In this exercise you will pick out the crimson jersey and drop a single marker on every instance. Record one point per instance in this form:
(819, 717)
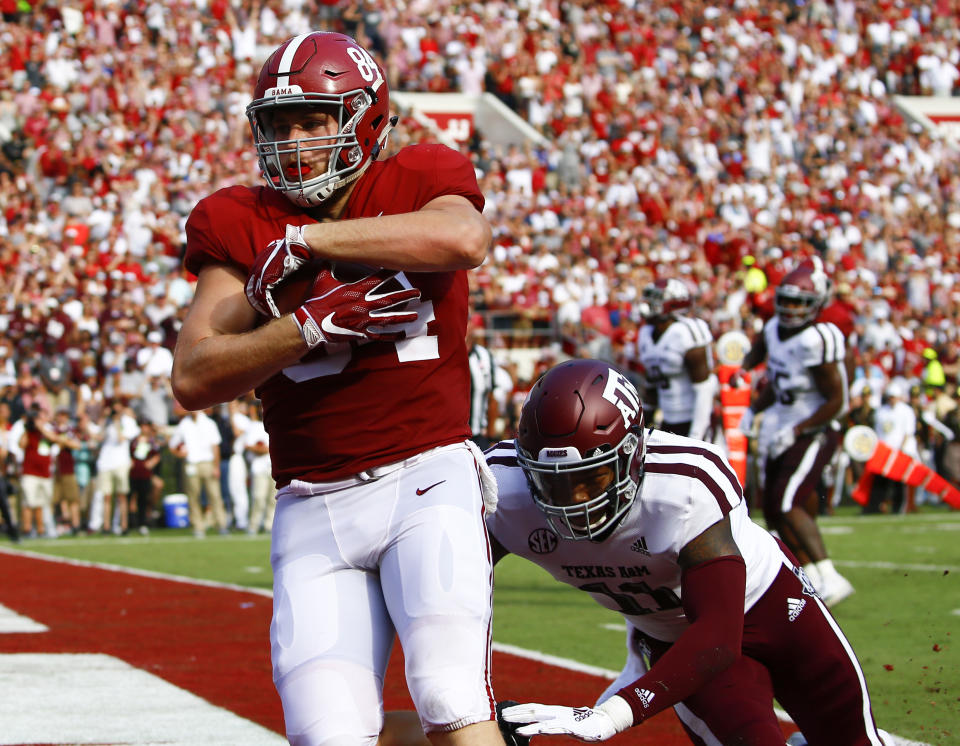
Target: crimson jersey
(352, 406)
(37, 456)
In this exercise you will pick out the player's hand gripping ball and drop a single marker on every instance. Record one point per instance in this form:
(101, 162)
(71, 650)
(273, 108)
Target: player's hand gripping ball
(276, 263)
(373, 307)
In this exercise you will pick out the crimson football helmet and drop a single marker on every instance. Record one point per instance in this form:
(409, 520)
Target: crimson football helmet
(334, 72)
(801, 294)
(665, 297)
(580, 443)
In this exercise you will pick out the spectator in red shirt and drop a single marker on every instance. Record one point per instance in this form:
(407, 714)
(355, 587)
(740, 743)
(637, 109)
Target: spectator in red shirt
(36, 479)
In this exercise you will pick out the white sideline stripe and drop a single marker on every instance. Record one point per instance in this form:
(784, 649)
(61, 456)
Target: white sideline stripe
(894, 519)
(11, 622)
(916, 567)
(500, 647)
(553, 660)
(836, 530)
(142, 573)
(95, 698)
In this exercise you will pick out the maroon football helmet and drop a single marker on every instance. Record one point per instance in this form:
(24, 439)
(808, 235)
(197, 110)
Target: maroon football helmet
(665, 297)
(332, 71)
(801, 294)
(580, 443)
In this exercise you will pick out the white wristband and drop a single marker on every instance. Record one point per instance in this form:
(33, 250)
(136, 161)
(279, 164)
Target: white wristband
(618, 710)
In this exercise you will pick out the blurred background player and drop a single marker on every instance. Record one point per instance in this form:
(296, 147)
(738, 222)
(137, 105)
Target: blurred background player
(378, 530)
(653, 525)
(675, 353)
(895, 422)
(804, 394)
(484, 407)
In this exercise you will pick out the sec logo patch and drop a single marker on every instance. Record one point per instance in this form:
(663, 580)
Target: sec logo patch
(542, 541)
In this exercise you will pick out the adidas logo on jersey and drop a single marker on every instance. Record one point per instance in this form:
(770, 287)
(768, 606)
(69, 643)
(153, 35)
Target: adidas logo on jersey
(645, 696)
(640, 545)
(794, 607)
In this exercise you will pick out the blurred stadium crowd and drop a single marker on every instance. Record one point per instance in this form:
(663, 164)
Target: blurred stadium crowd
(717, 143)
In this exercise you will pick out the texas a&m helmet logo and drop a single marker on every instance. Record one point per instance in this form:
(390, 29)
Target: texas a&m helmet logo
(622, 394)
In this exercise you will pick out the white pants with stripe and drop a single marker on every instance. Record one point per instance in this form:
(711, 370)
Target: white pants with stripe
(357, 561)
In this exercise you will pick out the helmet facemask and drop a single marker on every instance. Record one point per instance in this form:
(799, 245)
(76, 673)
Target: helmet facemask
(653, 298)
(664, 300)
(556, 474)
(795, 307)
(801, 294)
(346, 157)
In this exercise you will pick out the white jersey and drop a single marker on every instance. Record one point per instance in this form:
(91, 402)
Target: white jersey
(788, 368)
(687, 486)
(483, 381)
(662, 361)
(896, 425)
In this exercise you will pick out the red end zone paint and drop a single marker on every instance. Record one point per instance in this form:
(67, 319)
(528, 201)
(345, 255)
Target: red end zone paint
(211, 641)
(214, 641)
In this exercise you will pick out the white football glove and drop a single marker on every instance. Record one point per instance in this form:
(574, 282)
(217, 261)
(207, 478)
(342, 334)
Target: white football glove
(590, 724)
(782, 440)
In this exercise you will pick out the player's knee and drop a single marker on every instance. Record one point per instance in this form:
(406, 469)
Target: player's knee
(447, 703)
(311, 738)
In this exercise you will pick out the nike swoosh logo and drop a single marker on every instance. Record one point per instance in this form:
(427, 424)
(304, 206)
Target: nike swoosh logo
(329, 327)
(425, 490)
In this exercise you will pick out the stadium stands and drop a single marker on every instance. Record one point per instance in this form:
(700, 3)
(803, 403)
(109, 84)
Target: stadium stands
(696, 140)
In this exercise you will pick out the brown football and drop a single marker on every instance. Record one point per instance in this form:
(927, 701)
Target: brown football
(294, 290)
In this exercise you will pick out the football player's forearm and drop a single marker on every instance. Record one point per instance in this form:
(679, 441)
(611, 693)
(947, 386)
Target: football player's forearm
(429, 240)
(712, 598)
(822, 417)
(764, 399)
(220, 367)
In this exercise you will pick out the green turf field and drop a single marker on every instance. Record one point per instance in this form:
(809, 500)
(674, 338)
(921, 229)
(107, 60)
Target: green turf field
(903, 622)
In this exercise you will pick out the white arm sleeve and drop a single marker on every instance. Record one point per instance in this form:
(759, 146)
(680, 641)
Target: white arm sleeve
(933, 422)
(702, 407)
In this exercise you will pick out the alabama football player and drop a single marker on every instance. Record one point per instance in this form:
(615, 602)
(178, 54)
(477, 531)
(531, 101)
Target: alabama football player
(676, 357)
(653, 525)
(806, 392)
(378, 530)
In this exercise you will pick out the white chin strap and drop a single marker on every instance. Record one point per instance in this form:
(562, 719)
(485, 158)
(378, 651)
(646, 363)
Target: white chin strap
(323, 193)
